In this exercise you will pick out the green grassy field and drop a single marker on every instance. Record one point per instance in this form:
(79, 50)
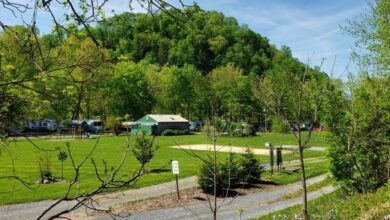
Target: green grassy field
(25, 158)
(311, 169)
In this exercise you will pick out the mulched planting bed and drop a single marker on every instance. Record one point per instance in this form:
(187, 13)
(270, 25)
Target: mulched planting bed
(188, 196)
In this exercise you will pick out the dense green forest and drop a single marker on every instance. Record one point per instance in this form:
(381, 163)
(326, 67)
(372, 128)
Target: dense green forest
(175, 63)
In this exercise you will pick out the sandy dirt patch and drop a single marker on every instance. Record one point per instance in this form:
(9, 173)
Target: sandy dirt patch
(221, 148)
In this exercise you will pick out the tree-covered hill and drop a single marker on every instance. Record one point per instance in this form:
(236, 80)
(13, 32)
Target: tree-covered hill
(205, 39)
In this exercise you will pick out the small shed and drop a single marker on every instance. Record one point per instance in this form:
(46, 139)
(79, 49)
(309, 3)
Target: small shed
(156, 124)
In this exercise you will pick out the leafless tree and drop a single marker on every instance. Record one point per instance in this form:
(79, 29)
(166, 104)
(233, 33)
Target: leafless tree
(109, 179)
(297, 100)
(83, 14)
(212, 132)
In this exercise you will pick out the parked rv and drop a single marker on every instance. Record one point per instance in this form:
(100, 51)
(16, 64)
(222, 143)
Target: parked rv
(40, 125)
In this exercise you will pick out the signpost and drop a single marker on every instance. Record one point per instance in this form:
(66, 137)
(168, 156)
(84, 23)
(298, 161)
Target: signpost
(271, 156)
(279, 159)
(175, 170)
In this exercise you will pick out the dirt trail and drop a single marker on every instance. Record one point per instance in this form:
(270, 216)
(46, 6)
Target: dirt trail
(226, 148)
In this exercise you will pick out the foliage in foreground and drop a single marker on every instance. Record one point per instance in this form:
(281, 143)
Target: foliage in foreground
(359, 152)
(358, 117)
(337, 205)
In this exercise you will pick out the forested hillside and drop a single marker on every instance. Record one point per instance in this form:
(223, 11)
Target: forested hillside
(206, 40)
(189, 62)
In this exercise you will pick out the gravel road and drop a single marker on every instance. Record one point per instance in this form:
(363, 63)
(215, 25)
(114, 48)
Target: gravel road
(34, 209)
(255, 204)
(310, 148)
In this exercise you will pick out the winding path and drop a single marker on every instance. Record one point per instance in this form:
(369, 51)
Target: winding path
(253, 205)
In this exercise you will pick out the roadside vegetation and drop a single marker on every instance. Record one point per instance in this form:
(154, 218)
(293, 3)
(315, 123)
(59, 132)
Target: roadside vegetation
(338, 205)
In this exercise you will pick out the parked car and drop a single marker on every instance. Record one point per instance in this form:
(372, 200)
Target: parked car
(94, 126)
(294, 126)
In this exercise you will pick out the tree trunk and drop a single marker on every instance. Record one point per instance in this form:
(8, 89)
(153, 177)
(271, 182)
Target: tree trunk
(76, 111)
(62, 170)
(303, 174)
(388, 165)
(303, 182)
(215, 173)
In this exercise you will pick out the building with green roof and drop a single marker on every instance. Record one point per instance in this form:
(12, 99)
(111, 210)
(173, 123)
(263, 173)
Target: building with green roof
(155, 124)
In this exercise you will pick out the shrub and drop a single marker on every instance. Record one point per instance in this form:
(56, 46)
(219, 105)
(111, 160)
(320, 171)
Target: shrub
(230, 172)
(174, 132)
(112, 124)
(45, 169)
(206, 181)
(221, 125)
(227, 175)
(278, 125)
(250, 167)
(144, 148)
(364, 171)
(234, 128)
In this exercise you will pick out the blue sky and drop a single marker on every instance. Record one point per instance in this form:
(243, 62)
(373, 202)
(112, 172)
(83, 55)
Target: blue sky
(311, 28)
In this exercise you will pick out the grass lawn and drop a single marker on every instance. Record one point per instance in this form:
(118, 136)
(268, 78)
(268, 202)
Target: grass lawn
(25, 158)
(311, 169)
(311, 188)
(336, 205)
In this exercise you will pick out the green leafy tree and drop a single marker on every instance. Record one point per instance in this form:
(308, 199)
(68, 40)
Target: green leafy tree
(359, 152)
(20, 67)
(372, 34)
(223, 82)
(128, 91)
(81, 67)
(179, 91)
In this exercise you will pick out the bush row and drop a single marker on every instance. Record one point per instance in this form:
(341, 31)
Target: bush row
(230, 173)
(174, 132)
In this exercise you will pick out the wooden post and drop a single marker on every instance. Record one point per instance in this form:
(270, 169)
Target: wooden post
(271, 156)
(175, 170)
(177, 187)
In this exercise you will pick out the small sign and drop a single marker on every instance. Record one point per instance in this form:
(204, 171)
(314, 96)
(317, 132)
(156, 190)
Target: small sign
(175, 167)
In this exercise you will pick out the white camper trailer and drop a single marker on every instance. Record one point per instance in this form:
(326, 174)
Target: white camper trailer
(40, 125)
